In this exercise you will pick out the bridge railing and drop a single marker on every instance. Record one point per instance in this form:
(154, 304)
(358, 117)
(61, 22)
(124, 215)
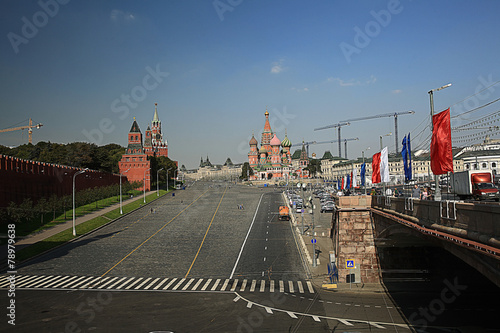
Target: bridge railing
(476, 221)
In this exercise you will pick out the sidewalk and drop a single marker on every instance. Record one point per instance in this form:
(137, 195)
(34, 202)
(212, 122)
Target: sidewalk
(46, 233)
(319, 274)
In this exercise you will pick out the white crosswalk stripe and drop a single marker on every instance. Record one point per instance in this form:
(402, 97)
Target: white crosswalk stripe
(159, 284)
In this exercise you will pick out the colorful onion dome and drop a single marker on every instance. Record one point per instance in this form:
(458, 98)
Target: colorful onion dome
(275, 141)
(286, 142)
(253, 141)
(262, 150)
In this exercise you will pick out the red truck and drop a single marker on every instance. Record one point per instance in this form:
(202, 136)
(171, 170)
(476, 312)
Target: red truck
(475, 184)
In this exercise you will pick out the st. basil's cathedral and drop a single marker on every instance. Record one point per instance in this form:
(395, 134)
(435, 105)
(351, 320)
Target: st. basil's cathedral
(273, 159)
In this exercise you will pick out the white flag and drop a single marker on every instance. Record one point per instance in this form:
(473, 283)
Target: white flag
(354, 175)
(384, 166)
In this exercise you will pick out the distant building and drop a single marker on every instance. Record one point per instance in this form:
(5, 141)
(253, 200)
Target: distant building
(273, 159)
(154, 144)
(134, 163)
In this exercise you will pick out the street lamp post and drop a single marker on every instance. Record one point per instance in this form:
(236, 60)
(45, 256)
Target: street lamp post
(158, 183)
(167, 176)
(437, 195)
(121, 209)
(144, 184)
(388, 134)
(74, 176)
(363, 154)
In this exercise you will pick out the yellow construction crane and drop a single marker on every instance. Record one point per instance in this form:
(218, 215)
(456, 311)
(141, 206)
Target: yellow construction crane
(29, 127)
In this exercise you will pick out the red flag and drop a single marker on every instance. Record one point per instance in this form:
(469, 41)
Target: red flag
(350, 185)
(342, 183)
(441, 154)
(376, 168)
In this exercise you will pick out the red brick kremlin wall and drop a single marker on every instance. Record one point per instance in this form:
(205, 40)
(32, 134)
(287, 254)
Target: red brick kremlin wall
(20, 179)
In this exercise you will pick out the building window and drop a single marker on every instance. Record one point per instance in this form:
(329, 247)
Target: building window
(476, 167)
(484, 165)
(493, 164)
(467, 166)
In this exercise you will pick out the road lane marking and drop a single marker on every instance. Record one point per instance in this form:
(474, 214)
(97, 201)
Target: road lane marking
(187, 284)
(235, 283)
(282, 287)
(133, 283)
(262, 285)
(178, 284)
(272, 286)
(140, 245)
(310, 287)
(268, 310)
(152, 282)
(159, 284)
(243, 285)
(291, 314)
(224, 285)
(246, 237)
(108, 282)
(169, 284)
(205, 286)
(65, 282)
(143, 283)
(124, 283)
(206, 233)
(301, 288)
(215, 284)
(114, 284)
(43, 281)
(252, 287)
(290, 286)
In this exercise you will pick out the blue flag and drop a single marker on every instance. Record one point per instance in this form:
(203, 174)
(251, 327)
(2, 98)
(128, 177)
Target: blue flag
(338, 184)
(404, 154)
(408, 148)
(363, 173)
(348, 182)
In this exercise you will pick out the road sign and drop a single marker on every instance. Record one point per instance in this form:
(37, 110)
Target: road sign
(313, 240)
(350, 264)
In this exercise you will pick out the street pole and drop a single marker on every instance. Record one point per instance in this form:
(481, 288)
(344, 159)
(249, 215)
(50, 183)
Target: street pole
(121, 204)
(144, 184)
(437, 196)
(74, 176)
(167, 177)
(158, 183)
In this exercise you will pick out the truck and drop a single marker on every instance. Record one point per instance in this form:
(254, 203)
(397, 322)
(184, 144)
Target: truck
(284, 213)
(475, 184)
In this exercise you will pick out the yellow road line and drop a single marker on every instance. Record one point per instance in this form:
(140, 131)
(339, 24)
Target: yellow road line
(206, 233)
(109, 270)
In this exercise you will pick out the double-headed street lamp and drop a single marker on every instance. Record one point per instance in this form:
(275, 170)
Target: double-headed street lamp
(388, 134)
(437, 195)
(74, 176)
(121, 209)
(158, 183)
(144, 184)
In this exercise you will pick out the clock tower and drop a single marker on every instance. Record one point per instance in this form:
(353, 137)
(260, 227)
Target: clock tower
(156, 145)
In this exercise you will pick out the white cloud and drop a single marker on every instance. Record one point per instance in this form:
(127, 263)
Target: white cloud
(120, 16)
(278, 67)
(397, 91)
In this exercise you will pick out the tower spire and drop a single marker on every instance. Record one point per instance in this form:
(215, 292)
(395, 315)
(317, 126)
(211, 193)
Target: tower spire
(155, 117)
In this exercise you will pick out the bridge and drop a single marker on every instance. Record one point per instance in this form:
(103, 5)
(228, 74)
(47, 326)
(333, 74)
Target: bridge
(364, 225)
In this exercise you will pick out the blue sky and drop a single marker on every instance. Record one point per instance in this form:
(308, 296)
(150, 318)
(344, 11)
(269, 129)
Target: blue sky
(217, 65)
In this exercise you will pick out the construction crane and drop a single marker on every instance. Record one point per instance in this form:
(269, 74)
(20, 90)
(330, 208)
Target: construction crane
(29, 127)
(392, 114)
(338, 126)
(323, 142)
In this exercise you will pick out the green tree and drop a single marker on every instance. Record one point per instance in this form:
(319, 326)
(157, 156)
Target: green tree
(246, 169)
